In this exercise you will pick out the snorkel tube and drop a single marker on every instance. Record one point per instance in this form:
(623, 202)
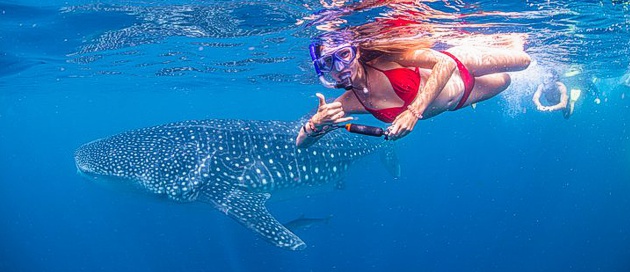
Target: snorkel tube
(346, 81)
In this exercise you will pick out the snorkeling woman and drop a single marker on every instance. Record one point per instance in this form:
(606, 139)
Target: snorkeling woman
(401, 82)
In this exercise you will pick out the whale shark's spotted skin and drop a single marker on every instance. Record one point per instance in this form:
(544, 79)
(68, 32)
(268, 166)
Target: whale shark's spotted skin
(233, 164)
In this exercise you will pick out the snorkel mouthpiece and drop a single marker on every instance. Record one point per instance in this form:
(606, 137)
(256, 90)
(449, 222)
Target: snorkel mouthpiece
(345, 82)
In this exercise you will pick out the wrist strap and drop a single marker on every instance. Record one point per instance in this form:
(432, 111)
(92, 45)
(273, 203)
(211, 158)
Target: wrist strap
(314, 132)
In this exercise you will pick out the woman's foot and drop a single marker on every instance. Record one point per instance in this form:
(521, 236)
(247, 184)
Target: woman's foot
(515, 41)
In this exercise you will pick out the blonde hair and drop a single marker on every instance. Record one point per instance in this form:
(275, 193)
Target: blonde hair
(383, 36)
(394, 36)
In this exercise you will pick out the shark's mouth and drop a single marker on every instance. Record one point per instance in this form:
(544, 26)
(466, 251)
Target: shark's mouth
(81, 162)
(93, 160)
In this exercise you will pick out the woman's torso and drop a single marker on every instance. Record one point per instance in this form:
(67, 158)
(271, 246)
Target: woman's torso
(380, 93)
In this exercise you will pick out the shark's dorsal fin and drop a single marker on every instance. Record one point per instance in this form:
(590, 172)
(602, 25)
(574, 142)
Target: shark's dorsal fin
(249, 209)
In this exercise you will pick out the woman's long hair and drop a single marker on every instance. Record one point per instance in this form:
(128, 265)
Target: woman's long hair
(391, 36)
(383, 36)
(411, 25)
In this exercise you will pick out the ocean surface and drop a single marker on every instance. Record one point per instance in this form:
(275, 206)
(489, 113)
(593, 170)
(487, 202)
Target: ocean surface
(501, 187)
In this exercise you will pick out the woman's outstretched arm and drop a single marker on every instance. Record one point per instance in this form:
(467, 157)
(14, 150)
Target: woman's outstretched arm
(442, 68)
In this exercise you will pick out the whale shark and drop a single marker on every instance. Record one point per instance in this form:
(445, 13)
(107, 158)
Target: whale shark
(233, 165)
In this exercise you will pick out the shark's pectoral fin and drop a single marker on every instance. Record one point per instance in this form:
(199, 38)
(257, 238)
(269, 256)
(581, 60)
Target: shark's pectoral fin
(249, 209)
(389, 158)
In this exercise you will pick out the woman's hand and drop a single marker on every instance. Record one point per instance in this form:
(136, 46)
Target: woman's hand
(402, 125)
(328, 114)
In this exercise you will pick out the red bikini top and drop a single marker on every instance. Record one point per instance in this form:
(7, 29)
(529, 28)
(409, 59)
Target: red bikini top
(405, 83)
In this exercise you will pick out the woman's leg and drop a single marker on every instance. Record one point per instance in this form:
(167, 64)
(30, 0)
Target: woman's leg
(487, 87)
(482, 61)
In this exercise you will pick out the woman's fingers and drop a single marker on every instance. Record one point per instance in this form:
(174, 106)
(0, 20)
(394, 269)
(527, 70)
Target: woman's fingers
(400, 128)
(322, 99)
(332, 106)
(393, 131)
(324, 105)
(333, 112)
(337, 115)
(335, 104)
(344, 119)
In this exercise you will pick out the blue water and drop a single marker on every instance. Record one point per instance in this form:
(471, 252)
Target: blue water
(498, 188)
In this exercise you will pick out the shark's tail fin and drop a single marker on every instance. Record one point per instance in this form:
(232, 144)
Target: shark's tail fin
(389, 158)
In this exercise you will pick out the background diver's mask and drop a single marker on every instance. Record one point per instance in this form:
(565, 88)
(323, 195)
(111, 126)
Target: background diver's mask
(338, 61)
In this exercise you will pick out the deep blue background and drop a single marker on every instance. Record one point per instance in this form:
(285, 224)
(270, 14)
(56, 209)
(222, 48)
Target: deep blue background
(482, 189)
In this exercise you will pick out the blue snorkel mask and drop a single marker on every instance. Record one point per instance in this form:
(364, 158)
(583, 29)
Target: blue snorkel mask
(338, 61)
